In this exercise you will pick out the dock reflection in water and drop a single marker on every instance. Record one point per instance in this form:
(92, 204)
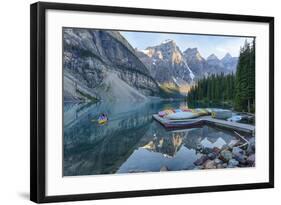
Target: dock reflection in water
(131, 141)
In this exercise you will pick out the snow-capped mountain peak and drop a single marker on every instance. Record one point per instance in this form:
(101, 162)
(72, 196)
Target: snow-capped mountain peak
(229, 62)
(212, 57)
(167, 41)
(167, 63)
(193, 53)
(166, 60)
(145, 51)
(226, 57)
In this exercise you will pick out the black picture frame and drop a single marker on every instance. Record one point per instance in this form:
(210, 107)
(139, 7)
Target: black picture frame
(38, 100)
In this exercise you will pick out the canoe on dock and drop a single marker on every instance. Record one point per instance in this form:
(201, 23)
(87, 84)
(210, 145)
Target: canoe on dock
(182, 116)
(172, 124)
(204, 120)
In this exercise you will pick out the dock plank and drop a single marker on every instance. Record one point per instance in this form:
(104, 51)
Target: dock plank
(232, 125)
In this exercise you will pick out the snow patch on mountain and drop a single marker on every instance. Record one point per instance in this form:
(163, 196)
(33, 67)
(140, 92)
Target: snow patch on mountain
(175, 81)
(191, 74)
(145, 51)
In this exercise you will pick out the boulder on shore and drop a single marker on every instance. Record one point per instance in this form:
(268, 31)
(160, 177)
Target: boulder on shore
(251, 159)
(226, 155)
(233, 163)
(207, 150)
(236, 151)
(201, 160)
(216, 150)
(209, 164)
(212, 156)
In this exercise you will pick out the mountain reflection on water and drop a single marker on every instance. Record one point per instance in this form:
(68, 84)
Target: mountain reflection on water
(131, 141)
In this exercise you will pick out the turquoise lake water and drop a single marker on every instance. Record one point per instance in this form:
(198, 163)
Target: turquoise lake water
(131, 141)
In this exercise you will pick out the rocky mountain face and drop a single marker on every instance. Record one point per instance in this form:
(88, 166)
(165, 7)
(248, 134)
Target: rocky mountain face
(226, 65)
(214, 65)
(196, 62)
(229, 62)
(166, 63)
(102, 65)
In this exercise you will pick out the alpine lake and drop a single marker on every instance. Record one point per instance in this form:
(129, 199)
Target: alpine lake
(132, 141)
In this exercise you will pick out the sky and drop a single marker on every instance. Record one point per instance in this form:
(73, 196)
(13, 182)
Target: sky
(206, 44)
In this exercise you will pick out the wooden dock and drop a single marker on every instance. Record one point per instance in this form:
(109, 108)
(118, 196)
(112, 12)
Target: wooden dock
(205, 120)
(229, 125)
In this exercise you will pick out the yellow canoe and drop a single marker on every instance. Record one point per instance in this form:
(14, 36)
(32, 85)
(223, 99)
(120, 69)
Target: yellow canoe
(102, 121)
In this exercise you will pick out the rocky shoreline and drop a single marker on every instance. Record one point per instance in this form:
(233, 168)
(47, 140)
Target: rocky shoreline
(235, 154)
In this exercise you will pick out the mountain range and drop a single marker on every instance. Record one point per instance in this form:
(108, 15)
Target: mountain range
(183, 67)
(101, 65)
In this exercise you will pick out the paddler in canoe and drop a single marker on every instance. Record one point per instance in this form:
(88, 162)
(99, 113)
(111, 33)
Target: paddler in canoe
(102, 119)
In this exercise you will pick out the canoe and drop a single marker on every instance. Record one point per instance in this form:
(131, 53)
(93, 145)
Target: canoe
(185, 109)
(174, 124)
(103, 121)
(221, 114)
(209, 110)
(177, 110)
(165, 112)
(168, 111)
(201, 111)
(181, 115)
(235, 118)
(161, 113)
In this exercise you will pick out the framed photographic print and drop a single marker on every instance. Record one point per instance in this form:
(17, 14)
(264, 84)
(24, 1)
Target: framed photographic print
(129, 102)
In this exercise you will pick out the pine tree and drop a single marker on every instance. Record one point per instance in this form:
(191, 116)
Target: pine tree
(245, 79)
(237, 89)
(251, 88)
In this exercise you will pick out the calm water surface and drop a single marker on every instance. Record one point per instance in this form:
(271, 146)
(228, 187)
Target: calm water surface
(131, 141)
